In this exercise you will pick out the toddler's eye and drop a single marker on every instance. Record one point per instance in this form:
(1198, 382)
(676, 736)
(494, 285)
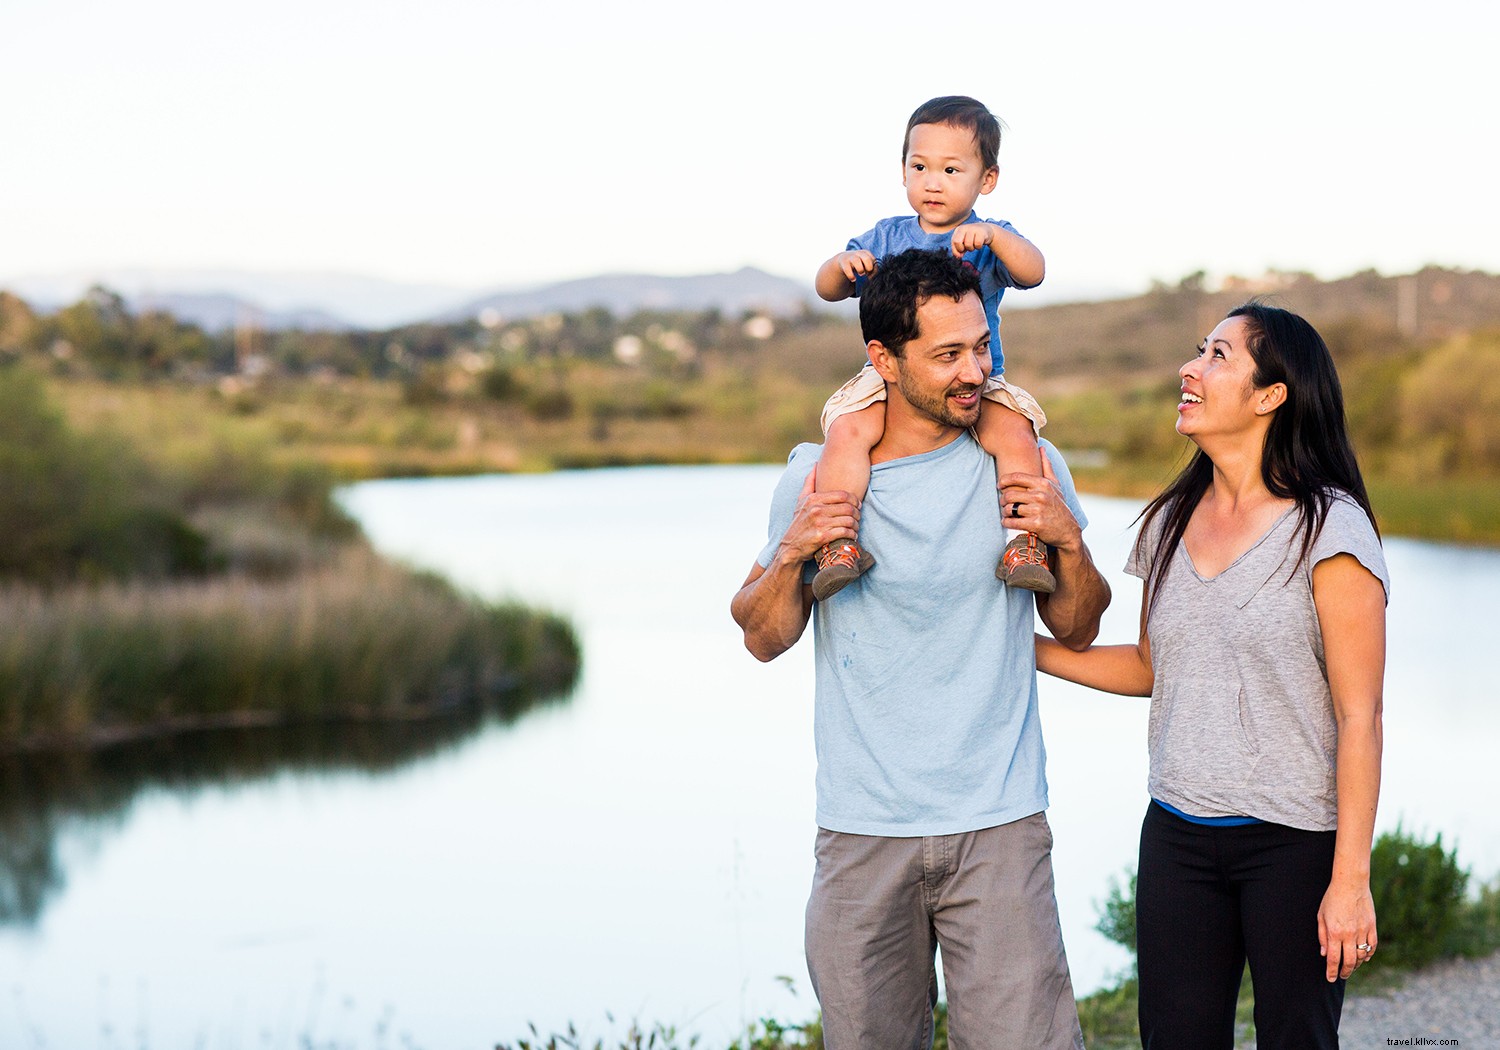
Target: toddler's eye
(951, 171)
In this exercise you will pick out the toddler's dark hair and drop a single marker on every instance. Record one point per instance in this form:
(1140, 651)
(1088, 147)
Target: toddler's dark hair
(959, 111)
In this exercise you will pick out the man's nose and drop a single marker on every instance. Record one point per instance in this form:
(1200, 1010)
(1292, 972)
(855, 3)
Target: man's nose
(974, 372)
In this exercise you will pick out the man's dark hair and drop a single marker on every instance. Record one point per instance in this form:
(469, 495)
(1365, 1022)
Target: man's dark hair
(959, 111)
(901, 284)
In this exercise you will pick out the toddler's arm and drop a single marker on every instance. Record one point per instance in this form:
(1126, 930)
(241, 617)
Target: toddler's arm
(835, 280)
(1022, 258)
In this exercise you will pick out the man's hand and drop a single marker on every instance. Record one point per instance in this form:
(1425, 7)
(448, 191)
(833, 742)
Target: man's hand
(1034, 502)
(820, 517)
(773, 604)
(972, 236)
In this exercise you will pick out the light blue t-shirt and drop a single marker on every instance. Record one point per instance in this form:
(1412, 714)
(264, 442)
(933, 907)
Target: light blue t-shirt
(925, 715)
(892, 236)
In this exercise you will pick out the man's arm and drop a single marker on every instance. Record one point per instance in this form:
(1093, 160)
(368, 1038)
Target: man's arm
(772, 606)
(1072, 611)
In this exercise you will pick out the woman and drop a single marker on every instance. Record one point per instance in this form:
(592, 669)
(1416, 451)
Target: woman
(1262, 648)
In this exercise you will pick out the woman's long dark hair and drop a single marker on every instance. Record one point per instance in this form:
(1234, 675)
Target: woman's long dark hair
(1306, 456)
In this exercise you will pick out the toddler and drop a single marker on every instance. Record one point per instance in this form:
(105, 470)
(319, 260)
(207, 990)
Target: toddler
(947, 161)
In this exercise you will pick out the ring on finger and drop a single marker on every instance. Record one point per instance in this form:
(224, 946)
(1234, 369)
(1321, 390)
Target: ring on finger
(1015, 510)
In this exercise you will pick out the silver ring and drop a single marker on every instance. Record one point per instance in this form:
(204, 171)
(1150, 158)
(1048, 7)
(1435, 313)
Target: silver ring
(1364, 947)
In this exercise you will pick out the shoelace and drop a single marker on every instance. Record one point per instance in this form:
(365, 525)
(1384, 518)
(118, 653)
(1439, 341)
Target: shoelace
(1030, 554)
(846, 554)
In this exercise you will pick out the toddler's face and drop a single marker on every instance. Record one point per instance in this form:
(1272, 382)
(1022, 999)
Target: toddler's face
(944, 176)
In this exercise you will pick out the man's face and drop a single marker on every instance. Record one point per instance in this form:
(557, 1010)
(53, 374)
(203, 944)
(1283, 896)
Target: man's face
(942, 372)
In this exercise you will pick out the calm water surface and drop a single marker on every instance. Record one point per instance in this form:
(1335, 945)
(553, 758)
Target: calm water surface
(641, 848)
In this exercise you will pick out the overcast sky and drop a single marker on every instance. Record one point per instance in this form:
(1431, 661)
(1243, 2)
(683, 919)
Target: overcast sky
(488, 144)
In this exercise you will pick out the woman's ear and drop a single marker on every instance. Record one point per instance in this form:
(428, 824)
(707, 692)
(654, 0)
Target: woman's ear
(1270, 398)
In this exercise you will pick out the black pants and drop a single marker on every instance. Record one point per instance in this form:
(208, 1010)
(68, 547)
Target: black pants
(1209, 898)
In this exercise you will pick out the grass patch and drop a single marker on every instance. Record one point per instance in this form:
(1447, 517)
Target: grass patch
(357, 638)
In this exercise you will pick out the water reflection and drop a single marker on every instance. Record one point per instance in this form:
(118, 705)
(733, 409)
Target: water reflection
(81, 796)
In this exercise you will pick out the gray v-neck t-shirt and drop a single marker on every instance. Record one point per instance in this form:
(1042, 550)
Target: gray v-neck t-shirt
(1242, 718)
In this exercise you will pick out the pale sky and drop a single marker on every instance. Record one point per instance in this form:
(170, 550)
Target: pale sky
(500, 144)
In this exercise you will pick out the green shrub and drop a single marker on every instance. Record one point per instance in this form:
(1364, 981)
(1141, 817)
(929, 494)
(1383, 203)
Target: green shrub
(1478, 931)
(502, 384)
(1117, 913)
(78, 506)
(1419, 893)
(550, 405)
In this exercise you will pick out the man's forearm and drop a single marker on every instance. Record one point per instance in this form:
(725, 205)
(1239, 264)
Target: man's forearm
(1072, 611)
(772, 607)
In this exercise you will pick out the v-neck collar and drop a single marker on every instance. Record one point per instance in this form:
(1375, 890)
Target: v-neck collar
(1188, 557)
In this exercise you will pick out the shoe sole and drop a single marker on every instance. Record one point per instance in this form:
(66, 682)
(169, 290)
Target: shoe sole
(830, 581)
(1032, 578)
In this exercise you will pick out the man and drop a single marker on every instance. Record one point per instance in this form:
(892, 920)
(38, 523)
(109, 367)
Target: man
(931, 787)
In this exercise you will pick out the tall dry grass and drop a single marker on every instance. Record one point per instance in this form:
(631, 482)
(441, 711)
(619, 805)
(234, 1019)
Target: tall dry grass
(355, 638)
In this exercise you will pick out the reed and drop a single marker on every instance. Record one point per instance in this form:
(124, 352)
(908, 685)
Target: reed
(356, 638)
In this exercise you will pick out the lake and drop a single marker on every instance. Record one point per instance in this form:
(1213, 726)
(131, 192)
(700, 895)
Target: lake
(639, 849)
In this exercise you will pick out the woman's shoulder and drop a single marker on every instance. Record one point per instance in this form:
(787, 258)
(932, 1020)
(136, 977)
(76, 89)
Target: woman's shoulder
(1345, 515)
(1347, 529)
(1147, 546)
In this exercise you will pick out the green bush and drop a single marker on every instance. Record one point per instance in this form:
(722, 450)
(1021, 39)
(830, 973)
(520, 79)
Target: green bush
(502, 384)
(1117, 913)
(78, 506)
(1419, 895)
(550, 405)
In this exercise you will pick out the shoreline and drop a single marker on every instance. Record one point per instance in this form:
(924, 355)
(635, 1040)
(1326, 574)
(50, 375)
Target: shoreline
(1411, 519)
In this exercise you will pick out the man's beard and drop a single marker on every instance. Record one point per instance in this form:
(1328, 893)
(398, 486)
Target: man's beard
(937, 406)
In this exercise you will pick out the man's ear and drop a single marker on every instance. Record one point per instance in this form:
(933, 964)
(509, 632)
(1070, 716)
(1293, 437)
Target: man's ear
(883, 360)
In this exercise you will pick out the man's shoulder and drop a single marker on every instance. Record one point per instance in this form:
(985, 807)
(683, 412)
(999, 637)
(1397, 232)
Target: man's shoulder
(799, 463)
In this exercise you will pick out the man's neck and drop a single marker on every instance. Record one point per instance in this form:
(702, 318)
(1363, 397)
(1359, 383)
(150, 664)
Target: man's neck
(909, 432)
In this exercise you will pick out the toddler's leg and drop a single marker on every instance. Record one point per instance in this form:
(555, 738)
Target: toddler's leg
(845, 465)
(1009, 437)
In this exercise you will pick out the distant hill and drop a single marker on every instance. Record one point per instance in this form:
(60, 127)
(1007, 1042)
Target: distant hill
(619, 293)
(1076, 345)
(217, 300)
(218, 312)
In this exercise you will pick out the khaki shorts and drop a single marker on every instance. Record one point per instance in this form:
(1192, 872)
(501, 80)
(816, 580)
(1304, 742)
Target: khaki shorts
(881, 907)
(867, 387)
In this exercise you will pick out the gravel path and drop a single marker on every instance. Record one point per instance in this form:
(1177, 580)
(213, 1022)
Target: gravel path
(1457, 1001)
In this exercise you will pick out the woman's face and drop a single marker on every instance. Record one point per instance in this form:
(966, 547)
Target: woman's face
(1218, 396)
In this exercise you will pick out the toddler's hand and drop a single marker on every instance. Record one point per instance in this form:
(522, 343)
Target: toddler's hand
(971, 237)
(856, 264)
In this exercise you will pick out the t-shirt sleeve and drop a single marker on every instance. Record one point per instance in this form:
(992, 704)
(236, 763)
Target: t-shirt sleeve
(1143, 550)
(1065, 482)
(784, 499)
(1001, 271)
(1347, 530)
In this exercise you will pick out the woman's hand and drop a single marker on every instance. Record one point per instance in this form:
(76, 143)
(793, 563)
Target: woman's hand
(1346, 926)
